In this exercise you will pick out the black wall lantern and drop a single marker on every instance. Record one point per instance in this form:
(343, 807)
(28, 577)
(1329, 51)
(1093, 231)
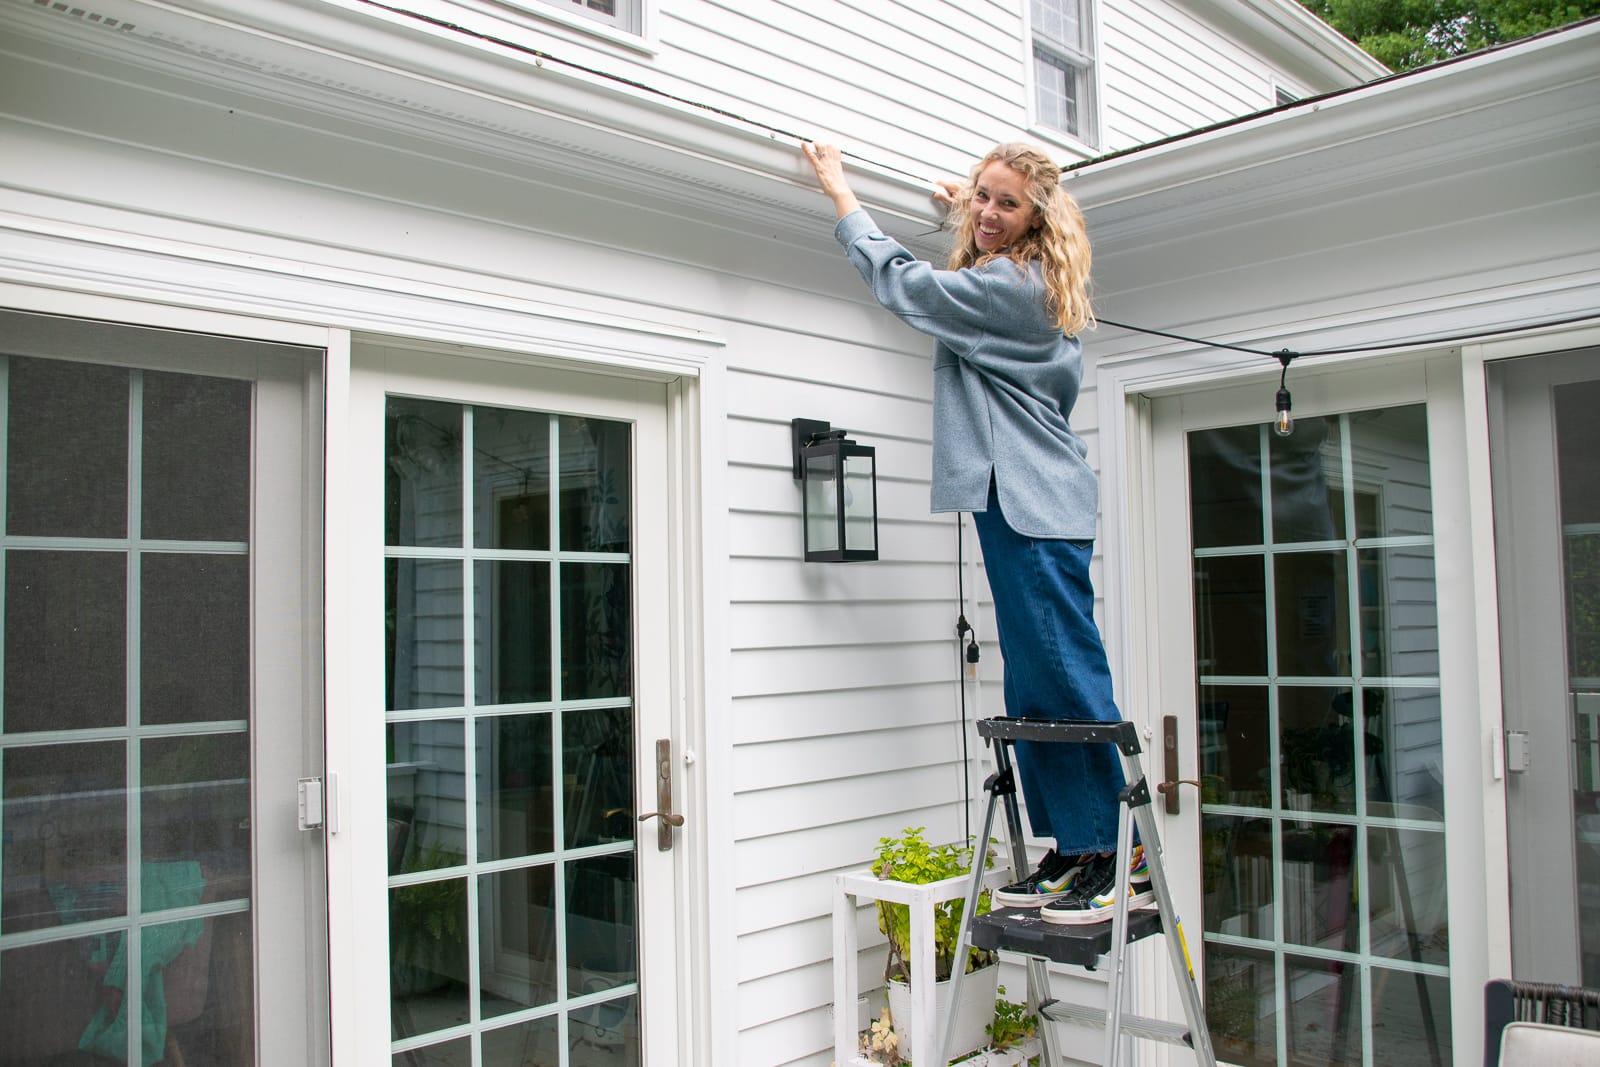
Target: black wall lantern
(839, 484)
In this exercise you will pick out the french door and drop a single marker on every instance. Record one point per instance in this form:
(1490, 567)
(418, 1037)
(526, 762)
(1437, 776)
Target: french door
(517, 688)
(159, 698)
(1302, 657)
(1547, 543)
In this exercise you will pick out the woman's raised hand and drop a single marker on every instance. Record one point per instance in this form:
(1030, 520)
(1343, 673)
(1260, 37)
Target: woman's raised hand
(828, 162)
(946, 191)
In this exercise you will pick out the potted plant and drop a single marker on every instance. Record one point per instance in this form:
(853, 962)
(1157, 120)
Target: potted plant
(910, 858)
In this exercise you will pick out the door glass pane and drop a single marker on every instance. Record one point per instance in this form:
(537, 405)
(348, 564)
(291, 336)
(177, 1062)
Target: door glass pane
(427, 796)
(194, 633)
(124, 718)
(517, 951)
(516, 802)
(196, 803)
(422, 473)
(1241, 996)
(597, 765)
(513, 899)
(1319, 737)
(425, 660)
(596, 634)
(1235, 745)
(511, 478)
(532, 1043)
(595, 493)
(66, 624)
(428, 956)
(195, 449)
(66, 449)
(511, 626)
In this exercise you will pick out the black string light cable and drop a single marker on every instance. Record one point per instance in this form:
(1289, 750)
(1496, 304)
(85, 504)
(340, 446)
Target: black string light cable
(544, 57)
(1283, 420)
(969, 654)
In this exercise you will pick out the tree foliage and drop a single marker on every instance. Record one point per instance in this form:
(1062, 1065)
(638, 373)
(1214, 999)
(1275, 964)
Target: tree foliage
(1403, 34)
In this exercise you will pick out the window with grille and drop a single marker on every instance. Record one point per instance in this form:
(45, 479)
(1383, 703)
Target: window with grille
(1064, 67)
(622, 15)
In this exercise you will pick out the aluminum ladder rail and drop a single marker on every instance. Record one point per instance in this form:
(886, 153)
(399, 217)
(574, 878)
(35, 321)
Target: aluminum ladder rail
(1021, 929)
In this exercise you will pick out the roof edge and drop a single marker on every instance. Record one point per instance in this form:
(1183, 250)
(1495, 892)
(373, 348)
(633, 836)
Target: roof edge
(1286, 28)
(1462, 83)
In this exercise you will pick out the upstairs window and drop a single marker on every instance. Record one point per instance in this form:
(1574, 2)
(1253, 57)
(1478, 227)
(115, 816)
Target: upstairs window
(621, 15)
(1064, 67)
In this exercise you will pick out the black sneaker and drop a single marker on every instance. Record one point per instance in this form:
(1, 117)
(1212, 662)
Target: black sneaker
(1090, 906)
(1055, 878)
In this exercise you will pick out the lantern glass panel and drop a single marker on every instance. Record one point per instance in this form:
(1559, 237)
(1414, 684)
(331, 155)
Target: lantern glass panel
(822, 502)
(860, 520)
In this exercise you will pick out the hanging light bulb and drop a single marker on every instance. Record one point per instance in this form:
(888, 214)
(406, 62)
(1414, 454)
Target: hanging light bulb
(1283, 422)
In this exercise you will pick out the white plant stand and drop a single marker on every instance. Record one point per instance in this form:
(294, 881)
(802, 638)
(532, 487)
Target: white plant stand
(849, 889)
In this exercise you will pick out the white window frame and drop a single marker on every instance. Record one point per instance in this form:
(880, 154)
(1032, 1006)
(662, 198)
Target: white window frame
(1085, 59)
(539, 23)
(630, 26)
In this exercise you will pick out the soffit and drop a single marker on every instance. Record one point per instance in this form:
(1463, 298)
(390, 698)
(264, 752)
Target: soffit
(1295, 40)
(1540, 98)
(358, 69)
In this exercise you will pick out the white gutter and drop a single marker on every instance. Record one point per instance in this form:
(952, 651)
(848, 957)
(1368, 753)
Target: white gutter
(1562, 61)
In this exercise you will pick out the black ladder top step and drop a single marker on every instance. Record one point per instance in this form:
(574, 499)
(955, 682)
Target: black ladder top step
(1022, 930)
(1072, 731)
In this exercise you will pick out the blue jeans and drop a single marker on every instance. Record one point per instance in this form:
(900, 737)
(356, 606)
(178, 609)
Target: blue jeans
(1055, 669)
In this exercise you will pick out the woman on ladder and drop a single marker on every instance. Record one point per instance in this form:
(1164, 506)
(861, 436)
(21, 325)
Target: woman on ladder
(1007, 364)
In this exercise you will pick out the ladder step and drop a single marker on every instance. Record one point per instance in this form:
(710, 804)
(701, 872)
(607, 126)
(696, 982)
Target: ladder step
(1022, 930)
(1070, 731)
(1132, 1025)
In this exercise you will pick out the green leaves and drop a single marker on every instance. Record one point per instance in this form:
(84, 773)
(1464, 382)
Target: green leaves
(1405, 34)
(912, 859)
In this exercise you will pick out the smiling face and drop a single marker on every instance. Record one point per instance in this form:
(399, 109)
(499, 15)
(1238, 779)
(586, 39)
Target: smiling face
(1001, 210)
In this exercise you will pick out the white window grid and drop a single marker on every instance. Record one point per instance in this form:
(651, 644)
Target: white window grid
(1365, 959)
(1064, 67)
(133, 733)
(565, 1001)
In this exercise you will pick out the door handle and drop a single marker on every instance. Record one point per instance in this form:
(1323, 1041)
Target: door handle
(1168, 786)
(671, 818)
(663, 812)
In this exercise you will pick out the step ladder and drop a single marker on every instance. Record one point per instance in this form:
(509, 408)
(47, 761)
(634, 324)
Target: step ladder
(1022, 930)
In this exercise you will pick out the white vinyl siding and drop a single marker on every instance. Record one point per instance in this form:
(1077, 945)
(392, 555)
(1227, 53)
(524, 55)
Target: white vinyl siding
(922, 88)
(1167, 72)
(841, 718)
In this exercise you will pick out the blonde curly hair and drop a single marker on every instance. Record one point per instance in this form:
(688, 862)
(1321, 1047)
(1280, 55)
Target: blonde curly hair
(1057, 240)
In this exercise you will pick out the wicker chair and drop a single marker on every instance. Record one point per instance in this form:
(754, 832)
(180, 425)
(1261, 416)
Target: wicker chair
(1506, 1002)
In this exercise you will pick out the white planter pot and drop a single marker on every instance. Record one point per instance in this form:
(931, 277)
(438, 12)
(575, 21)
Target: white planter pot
(975, 1011)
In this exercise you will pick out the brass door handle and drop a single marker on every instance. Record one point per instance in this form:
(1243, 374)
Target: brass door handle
(1168, 787)
(671, 818)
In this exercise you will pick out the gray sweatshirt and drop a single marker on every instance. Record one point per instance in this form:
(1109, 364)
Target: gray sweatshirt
(1004, 381)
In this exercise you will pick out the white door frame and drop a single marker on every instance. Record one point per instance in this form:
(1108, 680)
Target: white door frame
(418, 369)
(227, 298)
(1150, 641)
(289, 921)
